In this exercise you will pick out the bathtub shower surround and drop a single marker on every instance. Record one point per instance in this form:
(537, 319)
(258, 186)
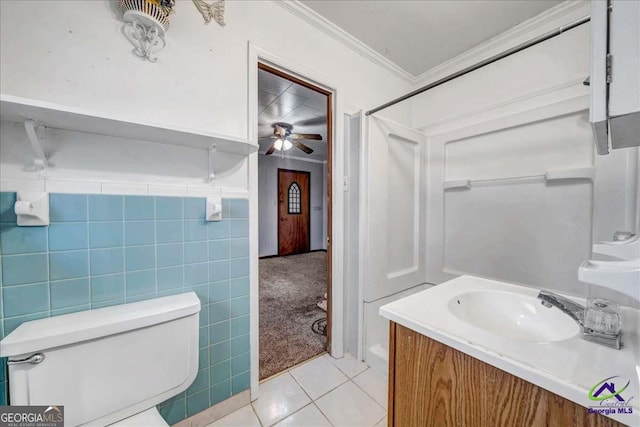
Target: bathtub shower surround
(102, 250)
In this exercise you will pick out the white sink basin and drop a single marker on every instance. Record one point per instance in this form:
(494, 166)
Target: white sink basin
(504, 325)
(512, 315)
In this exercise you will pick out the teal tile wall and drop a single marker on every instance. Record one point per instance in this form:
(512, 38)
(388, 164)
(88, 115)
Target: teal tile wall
(102, 250)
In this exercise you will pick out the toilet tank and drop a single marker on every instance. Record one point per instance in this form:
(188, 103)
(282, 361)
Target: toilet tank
(107, 364)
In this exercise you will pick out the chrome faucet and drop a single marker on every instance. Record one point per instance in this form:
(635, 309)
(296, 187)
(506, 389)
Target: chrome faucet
(577, 313)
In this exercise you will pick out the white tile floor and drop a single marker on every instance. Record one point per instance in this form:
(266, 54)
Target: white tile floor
(321, 392)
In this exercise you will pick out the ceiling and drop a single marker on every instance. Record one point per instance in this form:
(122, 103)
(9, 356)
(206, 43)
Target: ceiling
(418, 35)
(280, 100)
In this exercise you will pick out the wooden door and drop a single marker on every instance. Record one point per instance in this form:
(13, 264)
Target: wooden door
(293, 212)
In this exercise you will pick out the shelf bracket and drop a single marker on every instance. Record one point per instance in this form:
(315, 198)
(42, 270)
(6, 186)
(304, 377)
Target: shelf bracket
(212, 172)
(37, 138)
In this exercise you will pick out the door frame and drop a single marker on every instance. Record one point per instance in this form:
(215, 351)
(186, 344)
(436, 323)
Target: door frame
(335, 202)
(308, 207)
(288, 75)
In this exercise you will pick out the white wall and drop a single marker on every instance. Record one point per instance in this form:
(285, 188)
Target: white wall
(72, 53)
(268, 201)
(555, 63)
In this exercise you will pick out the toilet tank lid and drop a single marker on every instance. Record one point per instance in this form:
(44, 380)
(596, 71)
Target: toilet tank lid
(43, 334)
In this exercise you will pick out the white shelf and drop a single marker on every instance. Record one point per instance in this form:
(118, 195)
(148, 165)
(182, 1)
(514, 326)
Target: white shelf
(17, 109)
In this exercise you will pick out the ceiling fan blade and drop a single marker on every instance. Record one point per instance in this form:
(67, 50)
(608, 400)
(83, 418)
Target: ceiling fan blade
(315, 136)
(302, 147)
(271, 149)
(312, 121)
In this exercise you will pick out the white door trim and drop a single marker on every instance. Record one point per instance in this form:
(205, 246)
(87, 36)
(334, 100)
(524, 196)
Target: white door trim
(256, 54)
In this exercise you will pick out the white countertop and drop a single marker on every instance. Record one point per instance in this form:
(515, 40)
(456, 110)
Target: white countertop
(568, 368)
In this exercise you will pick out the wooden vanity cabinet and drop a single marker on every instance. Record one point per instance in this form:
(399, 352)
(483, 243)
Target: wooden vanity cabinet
(432, 384)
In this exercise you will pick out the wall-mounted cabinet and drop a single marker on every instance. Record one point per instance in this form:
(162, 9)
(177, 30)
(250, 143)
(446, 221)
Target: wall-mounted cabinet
(615, 74)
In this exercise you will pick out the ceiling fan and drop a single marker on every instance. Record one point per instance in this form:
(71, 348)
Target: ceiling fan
(285, 139)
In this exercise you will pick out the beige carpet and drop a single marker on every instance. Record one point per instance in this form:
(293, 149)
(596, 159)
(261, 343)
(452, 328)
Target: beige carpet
(290, 287)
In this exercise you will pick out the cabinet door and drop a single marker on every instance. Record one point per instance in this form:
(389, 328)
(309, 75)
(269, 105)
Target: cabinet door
(624, 89)
(598, 78)
(435, 385)
(432, 384)
(615, 66)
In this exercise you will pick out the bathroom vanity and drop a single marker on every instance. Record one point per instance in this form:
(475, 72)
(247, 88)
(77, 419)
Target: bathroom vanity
(478, 352)
(433, 384)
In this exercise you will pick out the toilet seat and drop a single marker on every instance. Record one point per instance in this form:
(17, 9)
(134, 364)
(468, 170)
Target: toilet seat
(149, 418)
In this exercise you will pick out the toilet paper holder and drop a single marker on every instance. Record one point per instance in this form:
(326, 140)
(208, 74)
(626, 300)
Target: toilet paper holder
(32, 208)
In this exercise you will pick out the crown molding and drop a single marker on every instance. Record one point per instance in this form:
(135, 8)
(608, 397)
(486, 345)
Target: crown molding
(549, 20)
(323, 24)
(558, 16)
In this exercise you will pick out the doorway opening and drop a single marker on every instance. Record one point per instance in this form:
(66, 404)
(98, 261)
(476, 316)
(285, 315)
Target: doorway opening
(294, 217)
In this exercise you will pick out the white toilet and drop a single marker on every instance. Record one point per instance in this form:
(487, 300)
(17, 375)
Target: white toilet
(109, 366)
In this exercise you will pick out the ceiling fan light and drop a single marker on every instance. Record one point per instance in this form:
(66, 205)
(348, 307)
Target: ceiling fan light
(278, 144)
(287, 145)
